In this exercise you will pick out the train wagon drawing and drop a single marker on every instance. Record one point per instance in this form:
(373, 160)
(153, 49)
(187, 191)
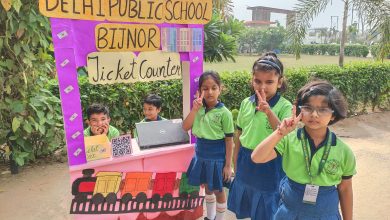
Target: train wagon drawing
(165, 183)
(137, 182)
(107, 186)
(185, 187)
(116, 192)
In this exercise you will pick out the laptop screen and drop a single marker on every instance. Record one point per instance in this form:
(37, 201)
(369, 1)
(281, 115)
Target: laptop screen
(161, 133)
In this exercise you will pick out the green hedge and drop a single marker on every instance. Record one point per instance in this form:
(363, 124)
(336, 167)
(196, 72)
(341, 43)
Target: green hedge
(375, 51)
(364, 84)
(332, 49)
(125, 100)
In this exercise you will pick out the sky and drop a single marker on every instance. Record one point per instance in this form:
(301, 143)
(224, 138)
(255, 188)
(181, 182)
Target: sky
(322, 20)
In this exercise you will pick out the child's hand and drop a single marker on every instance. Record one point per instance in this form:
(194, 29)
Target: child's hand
(104, 128)
(198, 102)
(227, 173)
(96, 130)
(262, 105)
(289, 124)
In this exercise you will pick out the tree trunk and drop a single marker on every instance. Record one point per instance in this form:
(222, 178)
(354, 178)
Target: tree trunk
(343, 34)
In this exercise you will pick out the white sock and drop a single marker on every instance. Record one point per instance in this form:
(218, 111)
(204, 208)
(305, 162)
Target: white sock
(221, 209)
(211, 206)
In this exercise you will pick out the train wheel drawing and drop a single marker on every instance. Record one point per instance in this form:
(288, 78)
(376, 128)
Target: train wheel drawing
(111, 198)
(80, 198)
(141, 197)
(126, 198)
(167, 200)
(167, 197)
(97, 199)
(156, 198)
(194, 194)
(184, 195)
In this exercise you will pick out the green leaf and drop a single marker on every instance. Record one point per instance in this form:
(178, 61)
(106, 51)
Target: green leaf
(12, 138)
(15, 124)
(17, 4)
(17, 49)
(50, 116)
(17, 107)
(8, 89)
(20, 142)
(27, 127)
(42, 121)
(19, 160)
(9, 64)
(40, 114)
(42, 129)
(28, 147)
(51, 122)
(23, 154)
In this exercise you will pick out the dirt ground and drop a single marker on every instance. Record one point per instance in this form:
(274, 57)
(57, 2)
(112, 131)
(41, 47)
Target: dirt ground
(42, 191)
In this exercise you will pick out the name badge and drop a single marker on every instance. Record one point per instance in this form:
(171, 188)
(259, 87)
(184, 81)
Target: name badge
(311, 193)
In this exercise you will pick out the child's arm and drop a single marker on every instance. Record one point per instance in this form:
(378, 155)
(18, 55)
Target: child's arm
(346, 198)
(265, 152)
(227, 170)
(237, 145)
(264, 107)
(196, 105)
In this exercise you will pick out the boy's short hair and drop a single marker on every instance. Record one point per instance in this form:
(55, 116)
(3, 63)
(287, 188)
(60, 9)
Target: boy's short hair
(153, 99)
(97, 108)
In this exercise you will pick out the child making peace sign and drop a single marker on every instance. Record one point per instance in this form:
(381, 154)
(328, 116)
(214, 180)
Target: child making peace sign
(212, 124)
(254, 191)
(318, 165)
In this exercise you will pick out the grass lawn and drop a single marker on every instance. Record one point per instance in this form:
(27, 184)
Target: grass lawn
(289, 61)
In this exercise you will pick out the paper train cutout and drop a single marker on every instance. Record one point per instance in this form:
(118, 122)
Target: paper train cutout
(117, 192)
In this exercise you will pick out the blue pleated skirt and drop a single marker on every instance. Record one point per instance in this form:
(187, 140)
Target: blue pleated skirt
(292, 207)
(254, 191)
(206, 166)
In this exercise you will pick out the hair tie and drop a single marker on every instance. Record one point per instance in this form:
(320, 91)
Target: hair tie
(274, 65)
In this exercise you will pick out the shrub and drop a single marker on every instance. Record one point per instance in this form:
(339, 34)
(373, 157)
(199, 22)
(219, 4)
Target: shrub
(363, 84)
(375, 51)
(355, 50)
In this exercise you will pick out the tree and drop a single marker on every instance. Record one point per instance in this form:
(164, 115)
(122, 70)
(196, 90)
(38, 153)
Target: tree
(218, 45)
(221, 33)
(273, 38)
(375, 12)
(262, 39)
(233, 27)
(224, 8)
(249, 40)
(323, 34)
(353, 32)
(30, 116)
(221, 38)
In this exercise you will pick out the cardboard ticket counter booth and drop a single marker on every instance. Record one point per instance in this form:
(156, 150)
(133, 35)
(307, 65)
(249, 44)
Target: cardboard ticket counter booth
(128, 41)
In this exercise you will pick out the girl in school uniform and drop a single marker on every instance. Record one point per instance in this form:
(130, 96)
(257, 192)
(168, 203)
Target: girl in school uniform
(318, 165)
(254, 191)
(212, 124)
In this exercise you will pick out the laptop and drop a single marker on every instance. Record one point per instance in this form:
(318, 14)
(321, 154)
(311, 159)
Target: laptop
(160, 133)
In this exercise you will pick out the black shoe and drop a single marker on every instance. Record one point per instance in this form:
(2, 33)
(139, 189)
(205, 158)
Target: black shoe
(205, 218)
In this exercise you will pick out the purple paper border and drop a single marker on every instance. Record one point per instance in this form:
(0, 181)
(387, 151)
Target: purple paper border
(71, 52)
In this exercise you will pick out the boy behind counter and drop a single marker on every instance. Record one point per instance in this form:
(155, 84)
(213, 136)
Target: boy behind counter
(99, 122)
(151, 108)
